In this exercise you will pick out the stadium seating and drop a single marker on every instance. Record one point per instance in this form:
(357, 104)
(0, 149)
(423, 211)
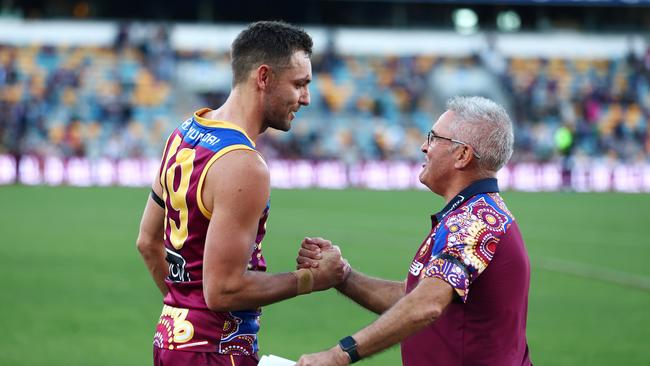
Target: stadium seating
(120, 102)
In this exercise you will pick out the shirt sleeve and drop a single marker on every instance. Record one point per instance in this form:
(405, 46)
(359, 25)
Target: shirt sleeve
(468, 239)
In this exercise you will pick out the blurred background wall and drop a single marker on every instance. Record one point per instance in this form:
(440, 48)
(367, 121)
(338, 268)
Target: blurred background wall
(89, 90)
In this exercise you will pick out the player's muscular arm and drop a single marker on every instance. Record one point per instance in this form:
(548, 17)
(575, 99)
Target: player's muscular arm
(150, 241)
(237, 187)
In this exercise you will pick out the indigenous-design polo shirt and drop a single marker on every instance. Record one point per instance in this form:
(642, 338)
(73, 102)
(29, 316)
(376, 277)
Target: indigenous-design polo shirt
(476, 247)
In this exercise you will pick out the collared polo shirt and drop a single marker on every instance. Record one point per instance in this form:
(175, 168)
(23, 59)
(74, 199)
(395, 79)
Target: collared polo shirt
(476, 247)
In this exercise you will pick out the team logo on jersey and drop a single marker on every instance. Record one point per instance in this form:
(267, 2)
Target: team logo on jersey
(416, 268)
(177, 263)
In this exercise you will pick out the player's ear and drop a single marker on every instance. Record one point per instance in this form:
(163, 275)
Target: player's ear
(263, 76)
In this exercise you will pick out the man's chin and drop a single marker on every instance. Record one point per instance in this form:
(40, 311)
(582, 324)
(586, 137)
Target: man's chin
(285, 128)
(281, 126)
(422, 177)
(424, 183)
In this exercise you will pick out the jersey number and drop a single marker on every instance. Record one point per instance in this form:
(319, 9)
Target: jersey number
(184, 165)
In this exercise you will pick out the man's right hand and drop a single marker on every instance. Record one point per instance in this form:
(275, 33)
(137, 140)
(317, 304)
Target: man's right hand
(324, 261)
(331, 269)
(310, 252)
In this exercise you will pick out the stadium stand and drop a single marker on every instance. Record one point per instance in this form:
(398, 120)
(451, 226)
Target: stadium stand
(118, 98)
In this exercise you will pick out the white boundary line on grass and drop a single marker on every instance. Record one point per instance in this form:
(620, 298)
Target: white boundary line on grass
(593, 272)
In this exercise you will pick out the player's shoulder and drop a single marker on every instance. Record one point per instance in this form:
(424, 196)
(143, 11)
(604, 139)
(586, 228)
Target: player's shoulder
(240, 164)
(239, 178)
(243, 158)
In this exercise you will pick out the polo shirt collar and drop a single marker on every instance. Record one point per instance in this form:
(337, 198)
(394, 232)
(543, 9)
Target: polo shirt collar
(487, 185)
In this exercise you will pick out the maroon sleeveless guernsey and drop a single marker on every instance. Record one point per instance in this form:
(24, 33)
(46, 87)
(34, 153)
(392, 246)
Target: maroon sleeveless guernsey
(186, 322)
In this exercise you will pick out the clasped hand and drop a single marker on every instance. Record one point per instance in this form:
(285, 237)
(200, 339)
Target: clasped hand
(329, 269)
(325, 262)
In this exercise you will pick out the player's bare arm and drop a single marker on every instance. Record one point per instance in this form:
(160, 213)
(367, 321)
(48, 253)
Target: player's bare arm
(150, 240)
(236, 190)
(410, 314)
(374, 294)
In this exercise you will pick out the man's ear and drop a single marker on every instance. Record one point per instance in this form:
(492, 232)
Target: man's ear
(263, 76)
(464, 156)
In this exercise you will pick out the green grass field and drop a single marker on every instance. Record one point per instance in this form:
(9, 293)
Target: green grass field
(76, 293)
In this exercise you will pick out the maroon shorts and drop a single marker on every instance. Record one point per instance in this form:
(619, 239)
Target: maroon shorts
(165, 357)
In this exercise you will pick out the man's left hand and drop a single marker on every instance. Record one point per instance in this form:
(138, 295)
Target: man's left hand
(332, 357)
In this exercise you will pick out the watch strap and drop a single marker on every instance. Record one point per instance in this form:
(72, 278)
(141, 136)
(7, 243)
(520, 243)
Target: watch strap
(349, 346)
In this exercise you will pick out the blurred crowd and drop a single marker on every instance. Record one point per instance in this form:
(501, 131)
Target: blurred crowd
(122, 101)
(581, 108)
(95, 102)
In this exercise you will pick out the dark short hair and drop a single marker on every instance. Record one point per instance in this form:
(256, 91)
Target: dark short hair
(267, 42)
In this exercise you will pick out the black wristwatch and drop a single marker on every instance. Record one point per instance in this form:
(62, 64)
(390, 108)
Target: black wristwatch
(349, 346)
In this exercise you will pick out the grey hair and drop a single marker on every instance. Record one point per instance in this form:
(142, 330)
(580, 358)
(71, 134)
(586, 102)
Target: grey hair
(484, 125)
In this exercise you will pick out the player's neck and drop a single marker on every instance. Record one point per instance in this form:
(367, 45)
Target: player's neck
(240, 110)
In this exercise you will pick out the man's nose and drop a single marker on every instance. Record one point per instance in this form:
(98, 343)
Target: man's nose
(304, 98)
(424, 147)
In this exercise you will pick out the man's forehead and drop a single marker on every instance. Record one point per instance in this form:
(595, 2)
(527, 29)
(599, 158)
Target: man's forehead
(301, 54)
(300, 58)
(443, 121)
(300, 64)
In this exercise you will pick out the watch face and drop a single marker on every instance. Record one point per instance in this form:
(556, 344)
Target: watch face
(348, 343)
(349, 346)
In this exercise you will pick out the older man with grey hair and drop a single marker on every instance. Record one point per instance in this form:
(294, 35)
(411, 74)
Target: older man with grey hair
(465, 297)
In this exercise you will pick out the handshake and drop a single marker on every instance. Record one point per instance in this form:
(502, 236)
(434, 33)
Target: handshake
(320, 266)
